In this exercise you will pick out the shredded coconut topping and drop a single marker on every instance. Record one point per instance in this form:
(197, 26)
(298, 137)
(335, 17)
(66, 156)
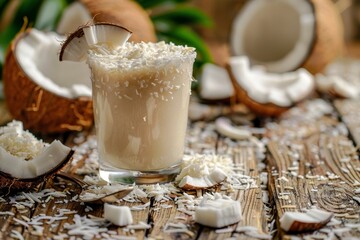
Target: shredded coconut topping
(18, 142)
(132, 56)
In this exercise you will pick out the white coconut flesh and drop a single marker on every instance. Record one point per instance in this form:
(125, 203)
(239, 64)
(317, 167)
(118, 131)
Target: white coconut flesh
(37, 55)
(278, 34)
(215, 83)
(263, 87)
(24, 157)
(100, 37)
(313, 219)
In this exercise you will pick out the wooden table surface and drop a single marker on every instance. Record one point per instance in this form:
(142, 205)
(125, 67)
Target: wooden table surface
(303, 165)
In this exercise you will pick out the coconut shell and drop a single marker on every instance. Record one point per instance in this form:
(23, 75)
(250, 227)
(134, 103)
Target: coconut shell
(125, 13)
(266, 109)
(8, 182)
(39, 109)
(329, 38)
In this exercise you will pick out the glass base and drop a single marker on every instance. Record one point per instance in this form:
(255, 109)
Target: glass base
(124, 176)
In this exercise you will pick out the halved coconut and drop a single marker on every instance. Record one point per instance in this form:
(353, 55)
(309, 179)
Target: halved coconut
(125, 13)
(284, 35)
(26, 161)
(268, 94)
(47, 95)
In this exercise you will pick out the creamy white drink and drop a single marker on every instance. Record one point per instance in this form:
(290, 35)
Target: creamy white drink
(141, 97)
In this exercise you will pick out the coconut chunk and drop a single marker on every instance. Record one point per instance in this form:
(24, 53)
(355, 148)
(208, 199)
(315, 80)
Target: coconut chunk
(337, 86)
(215, 83)
(118, 215)
(218, 213)
(224, 127)
(311, 220)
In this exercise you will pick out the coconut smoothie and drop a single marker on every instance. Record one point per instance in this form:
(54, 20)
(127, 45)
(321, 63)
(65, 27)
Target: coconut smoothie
(141, 97)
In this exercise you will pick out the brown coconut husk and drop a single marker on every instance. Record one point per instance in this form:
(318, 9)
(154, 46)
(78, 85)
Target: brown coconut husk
(39, 109)
(260, 109)
(125, 13)
(9, 183)
(329, 38)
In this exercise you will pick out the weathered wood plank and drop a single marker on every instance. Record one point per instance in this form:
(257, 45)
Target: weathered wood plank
(349, 110)
(314, 164)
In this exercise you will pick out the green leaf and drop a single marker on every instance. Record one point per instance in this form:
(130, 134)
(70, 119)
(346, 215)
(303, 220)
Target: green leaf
(49, 14)
(3, 3)
(183, 35)
(155, 3)
(29, 9)
(184, 15)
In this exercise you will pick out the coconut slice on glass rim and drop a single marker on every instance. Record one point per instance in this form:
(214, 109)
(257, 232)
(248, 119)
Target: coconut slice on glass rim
(26, 161)
(78, 43)
(284, 35)
(268, 94)
(46, 95)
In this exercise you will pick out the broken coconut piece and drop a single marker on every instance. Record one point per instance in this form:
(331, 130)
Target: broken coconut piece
(76, 46)
(284, 35)
(203, 171)
(126, 13)
(336, 86)
(223, 126)
(26, 161)
(118, 215)
(311, 220)
(215, 83)
(268, 94)
(218, 213)
(46, 95)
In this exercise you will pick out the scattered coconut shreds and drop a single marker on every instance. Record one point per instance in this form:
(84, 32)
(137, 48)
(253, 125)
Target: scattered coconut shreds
(16, 235)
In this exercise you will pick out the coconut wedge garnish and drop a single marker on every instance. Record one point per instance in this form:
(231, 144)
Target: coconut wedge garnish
(311, 220)
(46, 95)
(215, 83)
(76, 46)
(284, 35)
(26, 161)
(268, 94)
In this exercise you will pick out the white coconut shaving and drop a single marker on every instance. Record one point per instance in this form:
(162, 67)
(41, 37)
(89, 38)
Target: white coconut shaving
(202, 171)
(20, 143)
